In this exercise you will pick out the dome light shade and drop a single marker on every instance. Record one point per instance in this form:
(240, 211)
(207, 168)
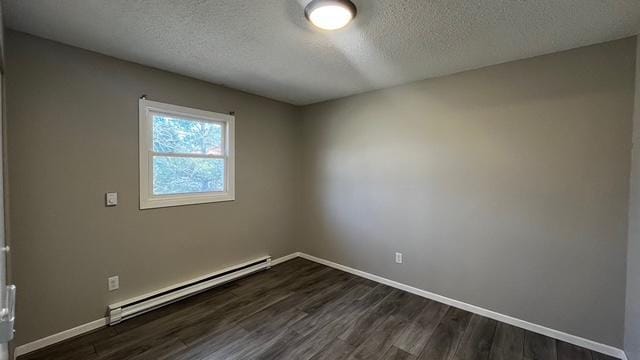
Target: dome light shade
(330, 14)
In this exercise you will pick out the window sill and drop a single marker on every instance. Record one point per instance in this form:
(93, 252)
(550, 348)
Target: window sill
(183, 200)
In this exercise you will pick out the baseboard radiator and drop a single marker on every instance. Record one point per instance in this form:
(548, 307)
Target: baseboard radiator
(141, 304)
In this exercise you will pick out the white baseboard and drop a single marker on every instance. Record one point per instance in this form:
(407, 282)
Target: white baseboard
(56, 338)
(572, 339)
(576, 340)
(285, 258)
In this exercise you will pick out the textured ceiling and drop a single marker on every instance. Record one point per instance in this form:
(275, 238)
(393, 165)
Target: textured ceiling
(266, 47)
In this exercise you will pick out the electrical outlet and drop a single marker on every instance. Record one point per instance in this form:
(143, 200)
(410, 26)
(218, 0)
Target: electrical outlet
(398, 258)
(114, 283)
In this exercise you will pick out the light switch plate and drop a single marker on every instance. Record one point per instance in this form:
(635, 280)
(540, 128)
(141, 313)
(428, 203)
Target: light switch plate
(111, 199)
(114, 283)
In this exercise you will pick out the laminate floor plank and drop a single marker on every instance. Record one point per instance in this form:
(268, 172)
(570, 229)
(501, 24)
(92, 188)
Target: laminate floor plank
(264, 329)
(78, 348)
(330, 293)
(280, 314)
(395, 353)
(358, 332)
(227, 316)
(138, 350)
(290, 342)
(250, 345)
(164, 351)
(382, 338)
(335, 350)
(305, 347)
(444, 342)
(301, 310)
(286, 343)
(568, 351)
(331, 310)
(276, 277)
(508, 343)
(477, 341)
(414, 337)
(81, 352)
(206, 346)
(539, 347)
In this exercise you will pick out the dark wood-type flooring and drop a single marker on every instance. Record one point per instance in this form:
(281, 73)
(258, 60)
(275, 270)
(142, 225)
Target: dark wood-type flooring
(303, 310)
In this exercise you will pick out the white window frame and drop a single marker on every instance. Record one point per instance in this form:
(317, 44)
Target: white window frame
(147, 199)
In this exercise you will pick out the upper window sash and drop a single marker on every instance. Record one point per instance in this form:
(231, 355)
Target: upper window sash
(172, 117)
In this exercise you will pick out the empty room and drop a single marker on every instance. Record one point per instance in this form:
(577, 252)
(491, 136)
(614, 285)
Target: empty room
(320, 180)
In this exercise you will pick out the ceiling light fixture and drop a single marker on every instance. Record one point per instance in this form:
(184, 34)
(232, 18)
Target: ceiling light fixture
(330, 14)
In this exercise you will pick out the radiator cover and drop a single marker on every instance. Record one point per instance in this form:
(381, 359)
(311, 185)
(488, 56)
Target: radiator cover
(138, 305)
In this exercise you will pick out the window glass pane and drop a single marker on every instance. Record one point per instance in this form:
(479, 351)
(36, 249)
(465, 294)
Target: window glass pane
(181, 175)
(183, 136)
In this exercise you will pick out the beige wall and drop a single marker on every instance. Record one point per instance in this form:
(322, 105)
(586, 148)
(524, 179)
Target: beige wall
(504, 187)
(632, 332)
(73, 130)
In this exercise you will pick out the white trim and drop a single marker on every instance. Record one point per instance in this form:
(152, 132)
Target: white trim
(572, 339)
(285, 258)
(59, 337)
(150, 201)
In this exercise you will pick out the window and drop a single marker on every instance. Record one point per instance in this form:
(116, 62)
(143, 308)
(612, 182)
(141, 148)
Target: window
(186, 156)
